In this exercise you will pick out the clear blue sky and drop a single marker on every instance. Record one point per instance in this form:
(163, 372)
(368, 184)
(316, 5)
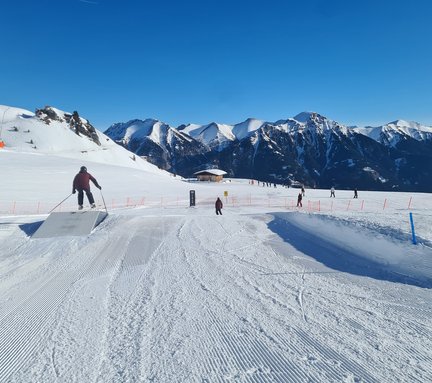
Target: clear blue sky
(358, 62)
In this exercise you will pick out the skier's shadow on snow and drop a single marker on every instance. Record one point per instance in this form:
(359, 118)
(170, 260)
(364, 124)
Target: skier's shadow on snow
(336, 257)
(30, 228)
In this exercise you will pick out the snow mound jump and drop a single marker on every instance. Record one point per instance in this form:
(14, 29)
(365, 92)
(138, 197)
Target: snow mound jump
(70, 224)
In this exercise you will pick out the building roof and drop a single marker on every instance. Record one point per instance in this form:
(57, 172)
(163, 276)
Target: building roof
(215, 172)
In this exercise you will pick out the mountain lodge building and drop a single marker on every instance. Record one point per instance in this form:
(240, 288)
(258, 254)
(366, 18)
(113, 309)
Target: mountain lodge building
(212, 175)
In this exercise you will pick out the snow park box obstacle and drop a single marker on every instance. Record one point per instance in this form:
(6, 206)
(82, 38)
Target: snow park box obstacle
(75, 224)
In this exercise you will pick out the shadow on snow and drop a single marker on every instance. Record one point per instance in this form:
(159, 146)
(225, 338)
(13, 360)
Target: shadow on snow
(30, 228)
(337, 257)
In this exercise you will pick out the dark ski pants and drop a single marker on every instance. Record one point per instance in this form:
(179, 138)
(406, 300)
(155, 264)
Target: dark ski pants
(218, 211)
(81, 196)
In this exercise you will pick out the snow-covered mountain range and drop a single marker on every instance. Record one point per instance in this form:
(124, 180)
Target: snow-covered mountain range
(309, 148)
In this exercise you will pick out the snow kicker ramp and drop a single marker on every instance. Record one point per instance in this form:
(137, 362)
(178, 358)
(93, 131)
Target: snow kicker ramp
(70, 224)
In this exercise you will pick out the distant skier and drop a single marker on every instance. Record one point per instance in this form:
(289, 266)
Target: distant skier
(81, 183)
(332, 192)
(218, 206)
(303, 191)
(355, 193)
(299, 200)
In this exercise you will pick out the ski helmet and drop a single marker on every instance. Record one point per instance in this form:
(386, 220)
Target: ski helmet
(83, 169)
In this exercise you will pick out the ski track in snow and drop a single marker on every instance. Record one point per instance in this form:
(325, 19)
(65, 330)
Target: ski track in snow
(166, 299)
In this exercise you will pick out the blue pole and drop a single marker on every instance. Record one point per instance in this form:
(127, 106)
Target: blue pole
(414, 241)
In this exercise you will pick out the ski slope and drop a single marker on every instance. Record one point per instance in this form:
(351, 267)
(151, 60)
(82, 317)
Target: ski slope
(172, 293)
(187, 296)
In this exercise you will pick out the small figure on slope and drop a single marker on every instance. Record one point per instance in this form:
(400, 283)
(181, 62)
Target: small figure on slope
(299, 200)
(332, 192)
(218, 206)
(355, 193)
(81, 183)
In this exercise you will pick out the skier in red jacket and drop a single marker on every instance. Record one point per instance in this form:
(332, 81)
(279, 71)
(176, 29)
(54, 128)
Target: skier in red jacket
(81, 183)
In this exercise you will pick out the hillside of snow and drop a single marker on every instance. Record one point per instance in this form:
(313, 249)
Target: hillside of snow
(24, 132)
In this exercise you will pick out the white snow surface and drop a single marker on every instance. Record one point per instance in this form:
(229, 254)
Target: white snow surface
(139, 129)
(246, 128)
(334, 291)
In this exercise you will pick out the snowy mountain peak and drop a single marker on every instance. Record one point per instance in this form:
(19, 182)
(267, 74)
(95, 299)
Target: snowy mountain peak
(216, 135)
(396, 131)
(212, 135)
(133, 130)
(247, 127)
(77, 124)
(50, 114)
(304, 117)
(405, 124)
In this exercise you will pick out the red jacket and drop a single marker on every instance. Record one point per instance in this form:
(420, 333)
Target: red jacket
(82, 181)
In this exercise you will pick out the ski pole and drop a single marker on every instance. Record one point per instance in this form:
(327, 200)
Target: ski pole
(56, 206)
(103, 199)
